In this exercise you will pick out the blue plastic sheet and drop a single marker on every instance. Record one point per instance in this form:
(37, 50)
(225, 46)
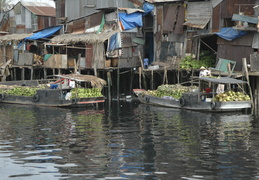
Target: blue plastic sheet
(147, 8)
(230, 33)
(131, 21)
(45, 33)
(114, 42)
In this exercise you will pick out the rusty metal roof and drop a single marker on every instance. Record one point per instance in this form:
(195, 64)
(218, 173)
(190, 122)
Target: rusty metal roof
(40, 9)
(199, 14)
(197, 23)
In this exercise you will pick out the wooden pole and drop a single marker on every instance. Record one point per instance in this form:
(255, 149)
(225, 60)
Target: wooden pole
(4, 56)
(22, 73)
(131, 79)
(118, 84)
(31, 68)
(152, 80)
(14, 74)
(109, 85)
(248, 81)
(142, 71)
(45, 73)
(139, 72)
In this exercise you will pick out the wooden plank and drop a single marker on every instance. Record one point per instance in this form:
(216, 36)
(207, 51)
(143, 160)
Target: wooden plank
(25, 59)
(248, 81)
(57, 61)
(237, 17)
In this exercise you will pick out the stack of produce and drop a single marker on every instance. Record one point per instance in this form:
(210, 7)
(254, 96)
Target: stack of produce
(21, 91)
(232, 96)
(172, 90)
(38, 59)
(86, 92)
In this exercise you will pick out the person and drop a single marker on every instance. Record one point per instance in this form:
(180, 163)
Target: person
(145, 61)
(204, 72)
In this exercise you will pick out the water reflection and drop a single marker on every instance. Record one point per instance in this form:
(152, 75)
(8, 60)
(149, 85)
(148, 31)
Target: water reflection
(126, 140)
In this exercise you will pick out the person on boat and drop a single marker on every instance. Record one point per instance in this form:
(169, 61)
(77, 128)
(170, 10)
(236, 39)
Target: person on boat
(203, 73)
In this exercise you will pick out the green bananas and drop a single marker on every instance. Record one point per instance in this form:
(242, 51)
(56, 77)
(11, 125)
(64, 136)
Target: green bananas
(86, 92)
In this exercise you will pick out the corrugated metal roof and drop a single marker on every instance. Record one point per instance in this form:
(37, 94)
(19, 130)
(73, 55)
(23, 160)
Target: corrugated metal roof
(223, 80)
(40, 9)
(163, 1)
(199, 14)
(197, 23)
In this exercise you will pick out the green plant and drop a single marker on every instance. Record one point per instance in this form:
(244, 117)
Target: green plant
(207, 59)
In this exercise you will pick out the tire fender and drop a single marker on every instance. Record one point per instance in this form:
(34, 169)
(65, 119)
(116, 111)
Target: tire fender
(181, 102)
(147, 99)
(36, 98)
(213, 105)
(2, 96)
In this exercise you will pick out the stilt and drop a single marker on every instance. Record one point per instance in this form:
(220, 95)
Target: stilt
(118, 83)
(131, 79)
(22, 73)
(31, 69)
(152, 80)
(165, 79)
(109, 85)
(14, 74)
(248, 82)
(139, 77)
(45, 73)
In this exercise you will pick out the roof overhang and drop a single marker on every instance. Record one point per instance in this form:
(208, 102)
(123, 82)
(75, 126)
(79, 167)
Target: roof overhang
(197, 23)
(88, 38)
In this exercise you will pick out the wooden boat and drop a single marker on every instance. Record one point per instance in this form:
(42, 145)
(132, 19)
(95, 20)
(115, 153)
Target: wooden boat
(57, 93)
(202, 101)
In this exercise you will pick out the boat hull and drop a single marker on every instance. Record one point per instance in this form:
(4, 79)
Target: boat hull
(195, 104)
(45, 101)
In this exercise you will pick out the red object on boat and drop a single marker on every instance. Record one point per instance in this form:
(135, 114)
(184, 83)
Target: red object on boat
(208, 90)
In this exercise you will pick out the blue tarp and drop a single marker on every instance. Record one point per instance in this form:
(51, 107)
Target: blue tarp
(147, 8)
(130, 21)
(45, 33)
(114, 42)
(230, 33)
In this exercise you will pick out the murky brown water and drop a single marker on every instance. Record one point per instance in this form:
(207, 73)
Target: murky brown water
(127, 140)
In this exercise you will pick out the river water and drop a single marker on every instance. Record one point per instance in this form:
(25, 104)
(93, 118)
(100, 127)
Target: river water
(126, 140)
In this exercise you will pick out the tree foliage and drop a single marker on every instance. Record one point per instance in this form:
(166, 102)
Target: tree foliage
(5, 5)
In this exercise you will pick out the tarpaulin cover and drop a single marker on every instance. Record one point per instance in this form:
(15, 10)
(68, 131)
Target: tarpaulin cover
(147, 8)
(131, 21)
(114, 42)
(230, 33)
(45, 33)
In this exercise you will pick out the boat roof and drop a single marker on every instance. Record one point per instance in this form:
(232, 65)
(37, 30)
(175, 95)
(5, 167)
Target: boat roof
(95, 81)
(222, 80)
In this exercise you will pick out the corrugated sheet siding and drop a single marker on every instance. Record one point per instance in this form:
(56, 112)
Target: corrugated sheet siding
(198, 13)
(216, 19)
(72, 9)
(78, 8)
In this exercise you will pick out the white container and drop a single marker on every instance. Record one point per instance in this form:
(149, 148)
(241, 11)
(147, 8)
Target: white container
(153, 67)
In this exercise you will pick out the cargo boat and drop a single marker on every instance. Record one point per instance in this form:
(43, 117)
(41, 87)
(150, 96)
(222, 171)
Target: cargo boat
(203, 101)
(54, 92)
